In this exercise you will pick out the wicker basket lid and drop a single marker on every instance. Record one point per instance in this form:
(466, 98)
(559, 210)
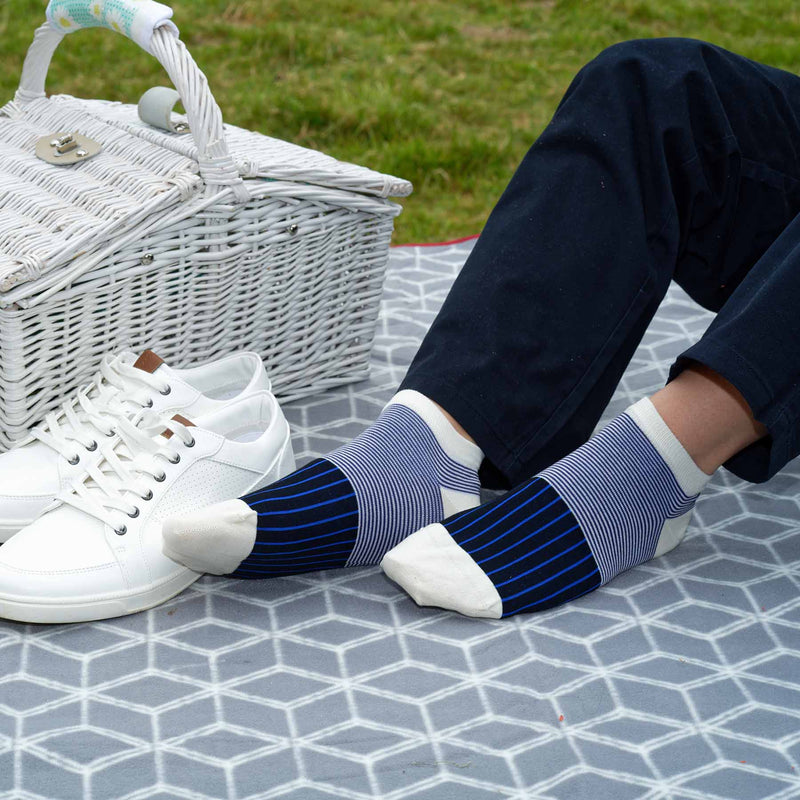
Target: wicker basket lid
(50, 215)
(63, 210)
(260, 156)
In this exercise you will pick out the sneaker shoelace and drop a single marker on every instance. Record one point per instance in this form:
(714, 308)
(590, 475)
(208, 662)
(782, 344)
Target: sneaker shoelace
(114, 487)
(117, 392)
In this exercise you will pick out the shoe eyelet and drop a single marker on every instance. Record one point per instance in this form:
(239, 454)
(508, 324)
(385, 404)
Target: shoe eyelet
(149, 495)
(111, 433)
(92, 447)
(135, 513)
(162, 477)
(74, 460)
(175, 460)
(121, 531)
(191, 443)
(166, 391)
(149, 403)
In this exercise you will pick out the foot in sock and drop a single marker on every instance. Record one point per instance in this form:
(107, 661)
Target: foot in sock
(407, 470)
(621, 499)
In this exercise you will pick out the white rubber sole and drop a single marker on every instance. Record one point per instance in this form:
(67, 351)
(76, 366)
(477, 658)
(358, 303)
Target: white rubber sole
(89, 609)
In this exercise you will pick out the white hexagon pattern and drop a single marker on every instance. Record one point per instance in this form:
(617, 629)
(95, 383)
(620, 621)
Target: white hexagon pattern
(680, 680)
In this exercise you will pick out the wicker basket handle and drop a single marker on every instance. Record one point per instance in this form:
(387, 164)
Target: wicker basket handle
(160, 39)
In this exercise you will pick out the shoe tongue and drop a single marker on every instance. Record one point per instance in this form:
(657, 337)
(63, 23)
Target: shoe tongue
(152, 363)
(167, 434)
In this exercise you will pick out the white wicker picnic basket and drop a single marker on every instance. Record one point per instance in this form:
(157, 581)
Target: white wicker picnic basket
(188, 236)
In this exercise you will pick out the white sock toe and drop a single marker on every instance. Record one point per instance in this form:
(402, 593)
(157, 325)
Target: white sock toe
(435, 571)
(215, 539)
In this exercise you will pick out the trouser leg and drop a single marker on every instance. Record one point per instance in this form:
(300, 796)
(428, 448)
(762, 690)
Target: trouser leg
(754, 342)
(640, 177)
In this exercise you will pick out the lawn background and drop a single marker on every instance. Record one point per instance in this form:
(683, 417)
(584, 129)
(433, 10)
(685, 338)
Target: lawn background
(447, 94)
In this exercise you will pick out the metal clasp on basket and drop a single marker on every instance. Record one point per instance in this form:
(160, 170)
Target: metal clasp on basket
(66, 148)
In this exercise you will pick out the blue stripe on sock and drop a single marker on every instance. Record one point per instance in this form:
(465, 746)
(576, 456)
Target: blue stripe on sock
(300, 509)
(314, 523)
(547, 602)
(473, 518)
(528, 553)
(506, 532)
(592, 515)
(284, 519)
(542, 564)
(264, 547)
(275, 541)
(352, 506)
(319, 558)
(531, 539)
(271, 498)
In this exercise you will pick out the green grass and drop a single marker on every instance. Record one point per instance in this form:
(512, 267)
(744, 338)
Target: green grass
(446, 94)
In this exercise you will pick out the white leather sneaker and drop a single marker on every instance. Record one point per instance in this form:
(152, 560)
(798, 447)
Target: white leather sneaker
(97, 554)
(60, 450)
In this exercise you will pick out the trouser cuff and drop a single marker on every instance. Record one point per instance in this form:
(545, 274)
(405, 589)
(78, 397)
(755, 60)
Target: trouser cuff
(762, 459)
(494, 472)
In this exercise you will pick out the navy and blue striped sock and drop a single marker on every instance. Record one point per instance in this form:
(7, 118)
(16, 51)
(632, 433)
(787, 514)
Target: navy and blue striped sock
(617, 501)
(306, 521)
(408, 469)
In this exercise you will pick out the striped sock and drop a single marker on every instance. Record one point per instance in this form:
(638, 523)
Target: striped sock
(305, 522)
(617, 501)
(407, 470)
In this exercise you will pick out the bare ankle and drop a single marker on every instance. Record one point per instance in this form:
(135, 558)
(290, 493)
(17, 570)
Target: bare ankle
(708, 415)
(454, 422)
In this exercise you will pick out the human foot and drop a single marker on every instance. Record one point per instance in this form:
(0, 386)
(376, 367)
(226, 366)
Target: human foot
(408, 469)
(623, 498)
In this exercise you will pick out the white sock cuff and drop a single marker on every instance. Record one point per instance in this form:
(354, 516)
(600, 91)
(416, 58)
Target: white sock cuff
(689, 476)
(451, 441)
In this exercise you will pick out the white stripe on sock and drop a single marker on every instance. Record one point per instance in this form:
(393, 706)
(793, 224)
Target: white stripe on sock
(622, 486)
(398, 468)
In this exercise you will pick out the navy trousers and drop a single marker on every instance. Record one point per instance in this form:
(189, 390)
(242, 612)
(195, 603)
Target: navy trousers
(667, 159)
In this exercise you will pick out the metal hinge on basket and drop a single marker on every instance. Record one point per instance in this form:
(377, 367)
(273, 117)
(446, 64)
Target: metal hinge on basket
(66, 148)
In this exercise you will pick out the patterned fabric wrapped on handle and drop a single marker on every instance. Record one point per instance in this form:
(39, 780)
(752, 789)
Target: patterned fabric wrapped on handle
(136, 19)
